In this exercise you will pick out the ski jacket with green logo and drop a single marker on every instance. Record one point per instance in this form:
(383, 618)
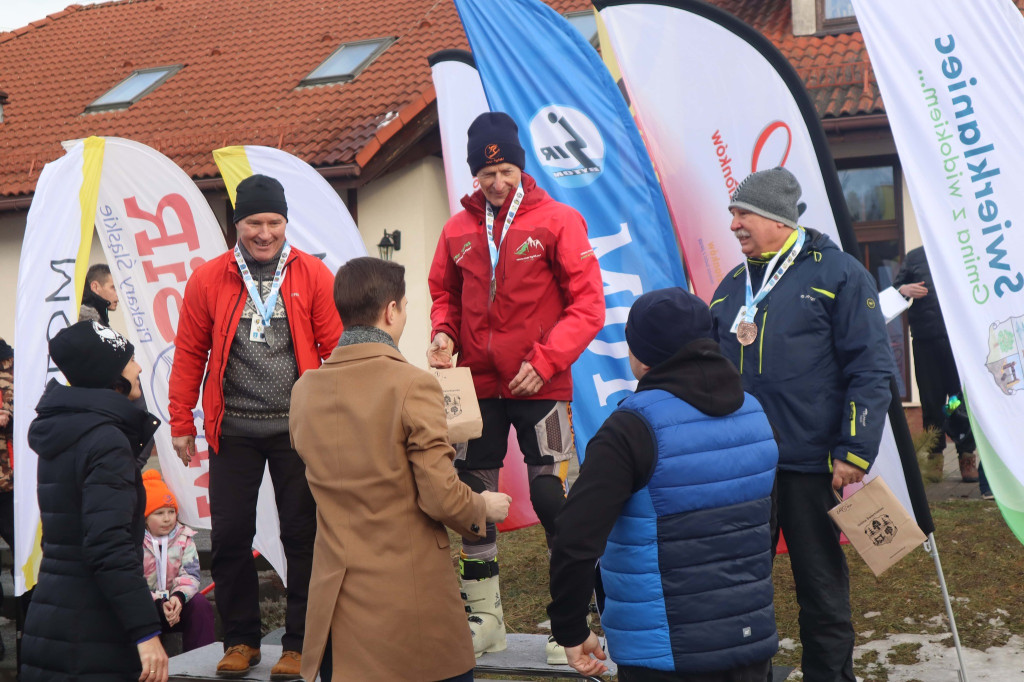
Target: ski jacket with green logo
(548, 300)
(821, 362)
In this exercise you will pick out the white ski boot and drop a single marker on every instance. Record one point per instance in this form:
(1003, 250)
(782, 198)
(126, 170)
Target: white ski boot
(486, 618)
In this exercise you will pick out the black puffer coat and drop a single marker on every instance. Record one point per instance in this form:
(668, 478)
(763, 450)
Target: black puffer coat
(91, 604)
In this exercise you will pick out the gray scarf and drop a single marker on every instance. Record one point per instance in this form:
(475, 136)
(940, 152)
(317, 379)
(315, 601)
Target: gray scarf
(364, 334)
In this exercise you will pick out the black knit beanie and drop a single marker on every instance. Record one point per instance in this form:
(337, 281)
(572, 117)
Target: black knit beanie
(90, 355)
(662, 321)
(494, 139)
(259, 194)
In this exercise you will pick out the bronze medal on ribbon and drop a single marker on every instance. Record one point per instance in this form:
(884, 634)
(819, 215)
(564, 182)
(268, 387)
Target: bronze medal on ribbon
(746, 333)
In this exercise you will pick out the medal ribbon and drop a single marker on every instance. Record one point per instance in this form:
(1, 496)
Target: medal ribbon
(769, 284)
(509, 217)
(265, 309)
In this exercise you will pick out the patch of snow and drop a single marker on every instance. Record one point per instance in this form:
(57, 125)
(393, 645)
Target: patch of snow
(872, 614)
(937, 661)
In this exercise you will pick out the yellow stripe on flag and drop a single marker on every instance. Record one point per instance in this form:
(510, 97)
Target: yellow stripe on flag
(234, 167)
(88, 196)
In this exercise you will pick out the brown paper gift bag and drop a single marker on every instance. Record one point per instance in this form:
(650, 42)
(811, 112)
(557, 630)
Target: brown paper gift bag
(878, 526)
(460, 404)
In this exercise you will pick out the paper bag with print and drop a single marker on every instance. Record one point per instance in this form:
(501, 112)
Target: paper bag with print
(878, 526)
(460, 404)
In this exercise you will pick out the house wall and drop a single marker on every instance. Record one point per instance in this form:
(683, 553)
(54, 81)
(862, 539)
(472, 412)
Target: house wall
(413, 200)
(805, 20)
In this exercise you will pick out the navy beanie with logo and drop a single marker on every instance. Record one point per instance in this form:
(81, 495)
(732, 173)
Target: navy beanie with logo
(494, 139)
(661, 322)
(259, 194)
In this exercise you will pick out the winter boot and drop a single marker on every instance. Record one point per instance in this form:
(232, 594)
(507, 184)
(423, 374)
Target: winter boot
(482, 593)
(555, 653)
(969, 467)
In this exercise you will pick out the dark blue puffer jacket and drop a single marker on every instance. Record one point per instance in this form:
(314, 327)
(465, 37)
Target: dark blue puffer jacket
(91, 604)
(687, 571)
(821, 363)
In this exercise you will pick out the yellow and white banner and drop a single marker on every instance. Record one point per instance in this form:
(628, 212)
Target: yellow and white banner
(318, 220)
(951, 76)
(156, 228)
(51, 275)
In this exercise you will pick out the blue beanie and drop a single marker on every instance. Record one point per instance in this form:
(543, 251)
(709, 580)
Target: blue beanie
(494, 139)
(661, 322)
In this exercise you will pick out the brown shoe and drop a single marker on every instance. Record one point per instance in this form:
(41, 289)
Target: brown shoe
(969, 467)
(288, 667)
(237, 661)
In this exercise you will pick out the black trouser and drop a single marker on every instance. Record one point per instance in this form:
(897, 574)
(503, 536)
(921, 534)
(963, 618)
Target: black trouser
(236, 471)
(755, 672)
(820, 573)
(937, 379)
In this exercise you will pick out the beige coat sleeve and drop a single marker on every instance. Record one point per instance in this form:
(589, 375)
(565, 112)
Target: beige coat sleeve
(439, 492)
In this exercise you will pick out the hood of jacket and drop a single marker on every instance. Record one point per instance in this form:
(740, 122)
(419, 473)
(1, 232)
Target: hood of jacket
(533, 196)
(67, 413)
(699, 374)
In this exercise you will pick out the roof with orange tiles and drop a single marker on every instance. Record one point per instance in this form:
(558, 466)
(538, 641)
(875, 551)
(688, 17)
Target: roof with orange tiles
(243, 61)
(835, 68)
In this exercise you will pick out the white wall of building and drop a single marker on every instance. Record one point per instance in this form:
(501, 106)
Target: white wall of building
(414, 201)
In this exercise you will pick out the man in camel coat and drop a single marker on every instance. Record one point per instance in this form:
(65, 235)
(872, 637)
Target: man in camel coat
(384, 601)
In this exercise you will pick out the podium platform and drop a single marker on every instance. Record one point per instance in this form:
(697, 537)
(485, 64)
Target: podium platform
(524, 657)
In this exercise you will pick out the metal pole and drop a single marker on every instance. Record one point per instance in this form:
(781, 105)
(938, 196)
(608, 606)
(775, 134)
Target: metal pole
(930, 547)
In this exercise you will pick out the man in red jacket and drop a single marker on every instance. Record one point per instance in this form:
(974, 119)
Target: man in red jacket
(252, 321)
(517, 294)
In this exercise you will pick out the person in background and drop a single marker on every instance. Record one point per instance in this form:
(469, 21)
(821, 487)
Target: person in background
(91, 616)
(98, 299)
(6, 453)
(934, 366)
(100, 295)
(675, 498)
(171, 564)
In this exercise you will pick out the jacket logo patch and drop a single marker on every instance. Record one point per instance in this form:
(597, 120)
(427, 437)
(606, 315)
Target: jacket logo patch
(530, 249)
(871, 303)
(461, 254)
(586, 254)
(808, 297)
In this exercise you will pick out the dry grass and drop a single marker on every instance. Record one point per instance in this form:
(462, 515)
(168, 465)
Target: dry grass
(983, 564)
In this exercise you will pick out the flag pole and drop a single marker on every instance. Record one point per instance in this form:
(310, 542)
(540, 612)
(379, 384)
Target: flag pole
(932, 549)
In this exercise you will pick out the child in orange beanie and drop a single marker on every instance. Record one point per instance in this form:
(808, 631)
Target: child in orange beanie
(171, 566)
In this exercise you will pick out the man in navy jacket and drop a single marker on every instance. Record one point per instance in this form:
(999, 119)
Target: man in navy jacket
(801, 321)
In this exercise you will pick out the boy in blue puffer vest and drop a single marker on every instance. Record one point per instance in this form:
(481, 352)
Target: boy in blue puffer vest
(675, 498)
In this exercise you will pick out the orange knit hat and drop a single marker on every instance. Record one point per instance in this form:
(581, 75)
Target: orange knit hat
(158, 495)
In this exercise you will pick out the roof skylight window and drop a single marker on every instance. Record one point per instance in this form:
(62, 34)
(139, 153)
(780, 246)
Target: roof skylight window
(132, 89)
(586, 24)
(347, 61)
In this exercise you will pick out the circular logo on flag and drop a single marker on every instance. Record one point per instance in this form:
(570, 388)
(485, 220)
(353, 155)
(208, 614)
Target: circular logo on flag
(568, 145)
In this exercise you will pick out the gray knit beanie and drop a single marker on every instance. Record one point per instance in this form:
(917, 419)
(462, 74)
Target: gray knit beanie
(773, 194)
